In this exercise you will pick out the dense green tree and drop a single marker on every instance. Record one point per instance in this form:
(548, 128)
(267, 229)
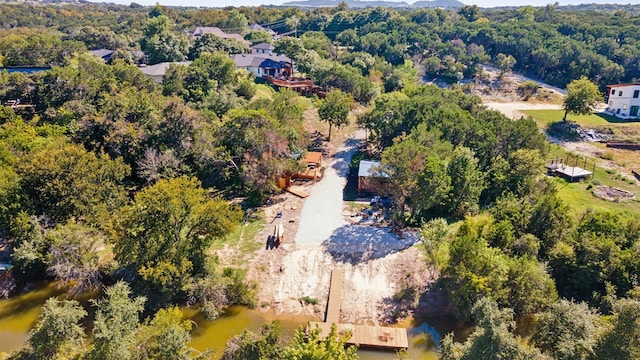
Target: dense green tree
(582, 96)
(164, 235)
(568, 331)
(98, 38)
(166, 336)
(65, 180)
(161, 44)
(477, 270)
(492, 340)
(314, 346)
(251, 346)
(470, 13)
(530, 288)
(235, 22)
(334, 109)
(116, 322)
(467, 181)
(505, 63)
(434, 236)
(57, 334)
(622, 341)
(207, 73)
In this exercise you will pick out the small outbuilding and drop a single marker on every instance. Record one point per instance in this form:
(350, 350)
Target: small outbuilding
(370, 177)
(313, 162)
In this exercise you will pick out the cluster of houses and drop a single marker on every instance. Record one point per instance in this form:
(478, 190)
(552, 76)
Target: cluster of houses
(261, 60)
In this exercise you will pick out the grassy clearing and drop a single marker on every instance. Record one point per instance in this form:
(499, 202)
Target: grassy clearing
(243, 237)
(579, 196)
(263, 91)
(545, 117)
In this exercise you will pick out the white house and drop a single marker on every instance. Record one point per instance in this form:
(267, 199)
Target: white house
(262, 48)
(624, 100)
(263, 64)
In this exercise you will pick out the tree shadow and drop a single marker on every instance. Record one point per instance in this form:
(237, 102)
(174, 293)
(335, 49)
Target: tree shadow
(355, 244)
(343, 157)
(318, 143)
(615, 120)
(272, 243)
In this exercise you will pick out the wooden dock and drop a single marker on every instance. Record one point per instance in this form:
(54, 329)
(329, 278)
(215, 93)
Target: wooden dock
(368, 336)
(335, 298)
(365, 336)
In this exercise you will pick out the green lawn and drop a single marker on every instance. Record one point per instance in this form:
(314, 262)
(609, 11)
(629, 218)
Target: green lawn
(243, 238)
(580, 198)
(545, 117)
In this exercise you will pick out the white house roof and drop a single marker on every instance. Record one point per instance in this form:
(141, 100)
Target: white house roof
(264, 46)
(160, 69)
(366, 169)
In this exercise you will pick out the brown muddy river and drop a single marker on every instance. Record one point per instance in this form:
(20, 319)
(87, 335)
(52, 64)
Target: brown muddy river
(18, 314)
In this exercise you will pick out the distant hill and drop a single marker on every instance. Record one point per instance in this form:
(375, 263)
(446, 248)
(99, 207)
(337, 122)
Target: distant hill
(364, 3)
(437, 4)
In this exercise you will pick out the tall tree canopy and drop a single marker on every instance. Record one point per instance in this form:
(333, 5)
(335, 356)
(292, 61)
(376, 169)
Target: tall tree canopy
(164, 235)
(582, 97)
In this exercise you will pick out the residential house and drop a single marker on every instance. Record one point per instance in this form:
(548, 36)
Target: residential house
(201, 30)
(138, 57)
(262, 65)
(104, 54)
(157, 71)
(256, 27)
(262, 48)
(624, 100)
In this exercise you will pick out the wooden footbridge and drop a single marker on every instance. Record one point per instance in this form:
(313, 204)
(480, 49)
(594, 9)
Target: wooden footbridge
(365, 336)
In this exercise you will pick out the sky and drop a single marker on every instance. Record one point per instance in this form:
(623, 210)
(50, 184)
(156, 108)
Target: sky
(481, 3)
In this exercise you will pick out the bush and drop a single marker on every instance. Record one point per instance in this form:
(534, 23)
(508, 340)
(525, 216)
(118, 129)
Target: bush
(564, 130)
(309, 300)
(607, 155)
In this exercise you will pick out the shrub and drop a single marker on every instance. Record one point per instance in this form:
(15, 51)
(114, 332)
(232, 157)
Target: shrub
(607, 155)
(309, 300)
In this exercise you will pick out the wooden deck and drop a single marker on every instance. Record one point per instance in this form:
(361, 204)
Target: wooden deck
(366, 336)
(335, 298)
(296, 190)
(570, 172)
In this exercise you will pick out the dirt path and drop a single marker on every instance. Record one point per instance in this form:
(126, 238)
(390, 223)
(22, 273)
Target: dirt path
(376, 263)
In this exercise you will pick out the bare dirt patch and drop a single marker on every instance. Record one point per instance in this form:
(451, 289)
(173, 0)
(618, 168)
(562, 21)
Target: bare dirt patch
(613, 194)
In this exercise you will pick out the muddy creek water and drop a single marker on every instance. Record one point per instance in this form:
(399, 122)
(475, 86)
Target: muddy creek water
(19, 313)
